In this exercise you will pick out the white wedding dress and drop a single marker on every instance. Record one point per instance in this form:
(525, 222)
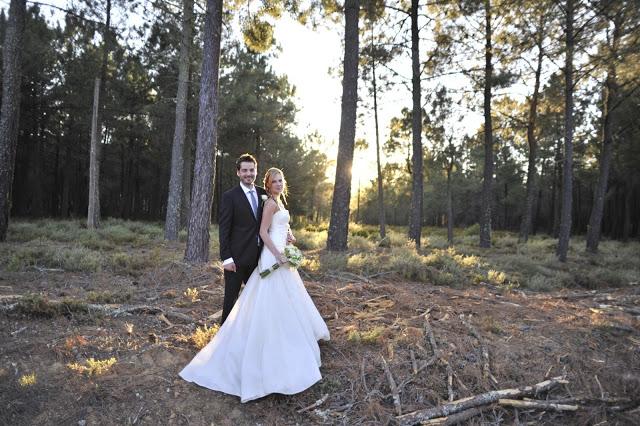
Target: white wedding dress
(269, 341)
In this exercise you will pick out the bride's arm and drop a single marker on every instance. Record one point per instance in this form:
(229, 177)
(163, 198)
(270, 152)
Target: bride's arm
(269, 210)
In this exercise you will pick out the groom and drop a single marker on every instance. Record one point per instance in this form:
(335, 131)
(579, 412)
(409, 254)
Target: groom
(239, 224)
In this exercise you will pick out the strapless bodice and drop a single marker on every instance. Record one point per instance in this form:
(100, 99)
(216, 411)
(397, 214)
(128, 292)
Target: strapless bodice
(279, 228)
(278, 234)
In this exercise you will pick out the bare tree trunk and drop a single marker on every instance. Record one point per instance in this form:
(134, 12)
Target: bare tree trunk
(567, 178)
(358, 202)
(172, 222)
(487, 181)
(339, 223)
(186, 184)
(415, 213)
(93, 210)
(93, 213)
(381, 215)
(10, 112)
(449, 205)
(600, 191)
(55, 194)
(555, 190)
(197, 249)
(525, 225)
(628, 205)
(192, 133)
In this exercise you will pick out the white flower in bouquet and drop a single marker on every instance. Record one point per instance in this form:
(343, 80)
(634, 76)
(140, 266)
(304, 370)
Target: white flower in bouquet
(294, 256)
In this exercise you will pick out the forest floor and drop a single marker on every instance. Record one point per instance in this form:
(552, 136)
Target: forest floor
(96, 326)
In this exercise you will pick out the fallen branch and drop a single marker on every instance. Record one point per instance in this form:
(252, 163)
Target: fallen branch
(315, 404)
(41, 269)
(139, 309)
(457, 417)
(414, 364)
(486, 371)
(627, 309)
(611, 404)
(349, 276)
(364, 379)
(428, 363)
(380, 274)
(164, 319)
(20, 330)
(428, 331)
(216, 316)
(449, 381)
(478, 400)
(392, 385)
(437, 355)
(542, 405)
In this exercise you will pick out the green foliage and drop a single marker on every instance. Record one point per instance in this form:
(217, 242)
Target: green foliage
(107, 296)
(44, 253)
(507, 265)
(39, 306)
(134, 263)
(257, 35)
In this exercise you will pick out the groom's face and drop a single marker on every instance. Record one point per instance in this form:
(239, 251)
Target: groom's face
(247, 172)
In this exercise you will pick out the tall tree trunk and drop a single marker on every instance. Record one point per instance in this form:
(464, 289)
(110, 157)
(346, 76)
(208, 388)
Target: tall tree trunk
(93, 210)
(415, 213)
(600, 191)
(628, 205)
(55, 193)
(10, 110)
(525, 225)
(449, 205)
(192, 132)
(487, 181)
(172, 222)
(67, 175)
(339, 222)
(567, 178)
(197, 249)
(381, 215)
(358, 203)
(506, 205)
(555, 190)
(93, 213)
(186, 183)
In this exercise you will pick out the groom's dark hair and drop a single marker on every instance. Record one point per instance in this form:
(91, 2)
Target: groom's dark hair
(245, 158)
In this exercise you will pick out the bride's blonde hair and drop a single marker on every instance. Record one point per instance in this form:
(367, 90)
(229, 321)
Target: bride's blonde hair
(268, 177)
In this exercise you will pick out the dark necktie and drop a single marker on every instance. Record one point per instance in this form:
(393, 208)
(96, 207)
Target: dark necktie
(254, 203)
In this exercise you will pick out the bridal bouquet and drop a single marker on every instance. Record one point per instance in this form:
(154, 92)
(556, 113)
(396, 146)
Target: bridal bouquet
(294, 258)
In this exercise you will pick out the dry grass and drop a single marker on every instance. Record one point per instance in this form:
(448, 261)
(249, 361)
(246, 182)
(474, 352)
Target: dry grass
(368, 315)
(507, 264)
(192, 294)
(108, 296)
(27, 380)
(201, 336)
(93, 367)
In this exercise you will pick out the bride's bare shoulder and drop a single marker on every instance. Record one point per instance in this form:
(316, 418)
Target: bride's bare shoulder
(270, 205)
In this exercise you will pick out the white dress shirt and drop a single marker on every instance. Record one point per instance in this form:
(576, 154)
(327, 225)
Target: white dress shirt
(246, 190)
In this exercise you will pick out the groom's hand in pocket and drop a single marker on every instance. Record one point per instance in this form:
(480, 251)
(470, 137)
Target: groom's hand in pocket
(230, 267)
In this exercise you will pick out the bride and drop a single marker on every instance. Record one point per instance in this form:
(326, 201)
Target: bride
(269, 342)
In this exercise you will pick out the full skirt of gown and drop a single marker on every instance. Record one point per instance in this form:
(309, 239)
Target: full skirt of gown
(269, 342)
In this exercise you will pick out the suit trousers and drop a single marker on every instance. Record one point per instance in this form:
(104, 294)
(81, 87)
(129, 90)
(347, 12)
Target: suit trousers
(232, 283)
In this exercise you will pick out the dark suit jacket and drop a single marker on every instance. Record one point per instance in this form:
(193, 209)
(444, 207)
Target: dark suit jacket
(238, 228)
